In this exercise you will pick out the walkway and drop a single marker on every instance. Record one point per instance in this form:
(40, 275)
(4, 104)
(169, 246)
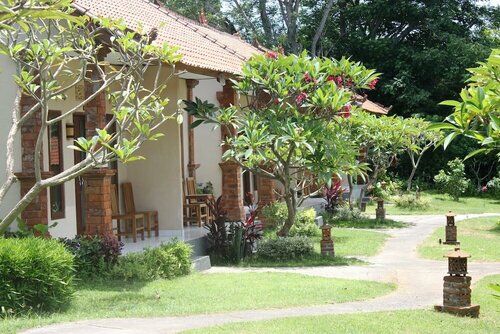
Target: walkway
(419, 285)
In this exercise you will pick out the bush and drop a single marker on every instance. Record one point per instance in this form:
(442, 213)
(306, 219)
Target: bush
(170, 260)
(452, 181)
(493, 187)
(35, 274)
(275, 213)
(94, 255)
(285, 248)
(305, 224)
(411, 202)
(345, 213)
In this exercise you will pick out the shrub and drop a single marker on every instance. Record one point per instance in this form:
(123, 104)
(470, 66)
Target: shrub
(346, 213)
(452, 181)
(285, 248)
(94, 255)
(333, 196)
(170, 260)
(305, 224)
(36, 275)
(275, 213)
(493, 187)
(411, 202)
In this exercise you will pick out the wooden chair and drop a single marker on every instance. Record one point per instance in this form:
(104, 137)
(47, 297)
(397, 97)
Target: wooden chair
(195, 205)
(131, 220)
(150, 215)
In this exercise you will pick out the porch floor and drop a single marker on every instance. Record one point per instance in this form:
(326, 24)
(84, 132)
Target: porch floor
(187, 234)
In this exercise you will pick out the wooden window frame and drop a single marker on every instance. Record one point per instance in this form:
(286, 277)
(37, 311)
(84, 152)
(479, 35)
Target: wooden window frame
(62, 213)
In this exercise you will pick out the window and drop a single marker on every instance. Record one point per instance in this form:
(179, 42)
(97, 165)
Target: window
(57, 208)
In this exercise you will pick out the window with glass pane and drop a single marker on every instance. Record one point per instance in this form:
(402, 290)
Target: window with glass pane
(56, 166)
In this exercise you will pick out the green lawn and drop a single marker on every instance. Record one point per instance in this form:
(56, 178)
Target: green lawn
(202, 293)
(441, 204)
(349, 243)
(478, 236)
(414, 322)
(365, 223)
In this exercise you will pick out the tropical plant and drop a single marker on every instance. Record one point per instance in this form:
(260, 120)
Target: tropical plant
(333, 195)
(477, 113)
(314, 96)
(452, 181)
(44, 40)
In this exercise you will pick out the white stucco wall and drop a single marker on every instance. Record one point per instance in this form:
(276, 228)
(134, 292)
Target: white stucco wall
(7, 96)
(157, 181)
(208, 152)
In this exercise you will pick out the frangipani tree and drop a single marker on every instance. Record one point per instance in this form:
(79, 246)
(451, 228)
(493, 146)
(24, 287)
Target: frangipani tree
(289, 123)
(53, 51)
(477, 113)
(420, 140)
(383, 138)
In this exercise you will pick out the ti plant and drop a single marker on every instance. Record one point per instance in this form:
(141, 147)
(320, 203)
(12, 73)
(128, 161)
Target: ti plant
(333, 195)
(288, 125)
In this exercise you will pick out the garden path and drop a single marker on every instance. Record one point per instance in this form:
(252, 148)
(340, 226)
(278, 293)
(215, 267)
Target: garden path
(419, 285)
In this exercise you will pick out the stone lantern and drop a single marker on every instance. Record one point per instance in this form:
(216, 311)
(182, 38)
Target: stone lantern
(327, 241)
(380, 210)
(451, 229)
(456, 287)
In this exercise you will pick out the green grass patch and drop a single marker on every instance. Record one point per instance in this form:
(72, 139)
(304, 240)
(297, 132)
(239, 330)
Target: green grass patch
(478, 236)
(441, 203)
(367, 223)
(415, 321)
(201, 293)
(349, 243)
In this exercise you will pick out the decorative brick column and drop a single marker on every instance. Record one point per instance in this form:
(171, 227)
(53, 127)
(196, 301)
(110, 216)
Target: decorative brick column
(265, 188)
(232, 188)
(37, 211)
(98, 201)
(95, 110)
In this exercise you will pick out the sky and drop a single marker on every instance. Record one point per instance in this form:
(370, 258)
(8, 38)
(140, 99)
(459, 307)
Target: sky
(495, 2)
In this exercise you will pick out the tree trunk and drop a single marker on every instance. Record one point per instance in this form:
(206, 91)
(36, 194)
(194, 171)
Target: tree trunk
(410, 179)
(351, 189)
(266, 22)
(321, 27)
(292, 211)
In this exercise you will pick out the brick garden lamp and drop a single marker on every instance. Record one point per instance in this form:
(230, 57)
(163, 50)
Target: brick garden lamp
(456, 287)
(327, 241)
(451, 229)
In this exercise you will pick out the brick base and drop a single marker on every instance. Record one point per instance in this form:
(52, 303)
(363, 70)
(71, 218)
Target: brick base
(379, 213)
(98, 200)
(327, 247)
(464, 311)
(451, 235)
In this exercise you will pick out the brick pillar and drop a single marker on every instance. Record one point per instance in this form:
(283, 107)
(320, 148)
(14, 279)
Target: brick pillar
(265, 188)
(232, 187)
(98, 201)
(37, 211)
(231, 190)
(95, 110)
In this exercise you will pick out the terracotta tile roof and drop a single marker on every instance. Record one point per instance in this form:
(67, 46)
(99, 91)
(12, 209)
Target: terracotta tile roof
(201, 46)
(370, 106)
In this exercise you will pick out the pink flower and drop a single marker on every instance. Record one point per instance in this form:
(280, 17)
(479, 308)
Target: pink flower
(330, 78)
(307, 77)
(484, 189)
(271, 54)
(373, 84)
(349, 83)
(301, 97)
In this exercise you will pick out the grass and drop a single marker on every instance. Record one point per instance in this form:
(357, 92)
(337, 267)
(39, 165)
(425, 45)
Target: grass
(366, 223)
(201, 293)
(478, 236)
(440, 204)
(349, 243)
(415, 321)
